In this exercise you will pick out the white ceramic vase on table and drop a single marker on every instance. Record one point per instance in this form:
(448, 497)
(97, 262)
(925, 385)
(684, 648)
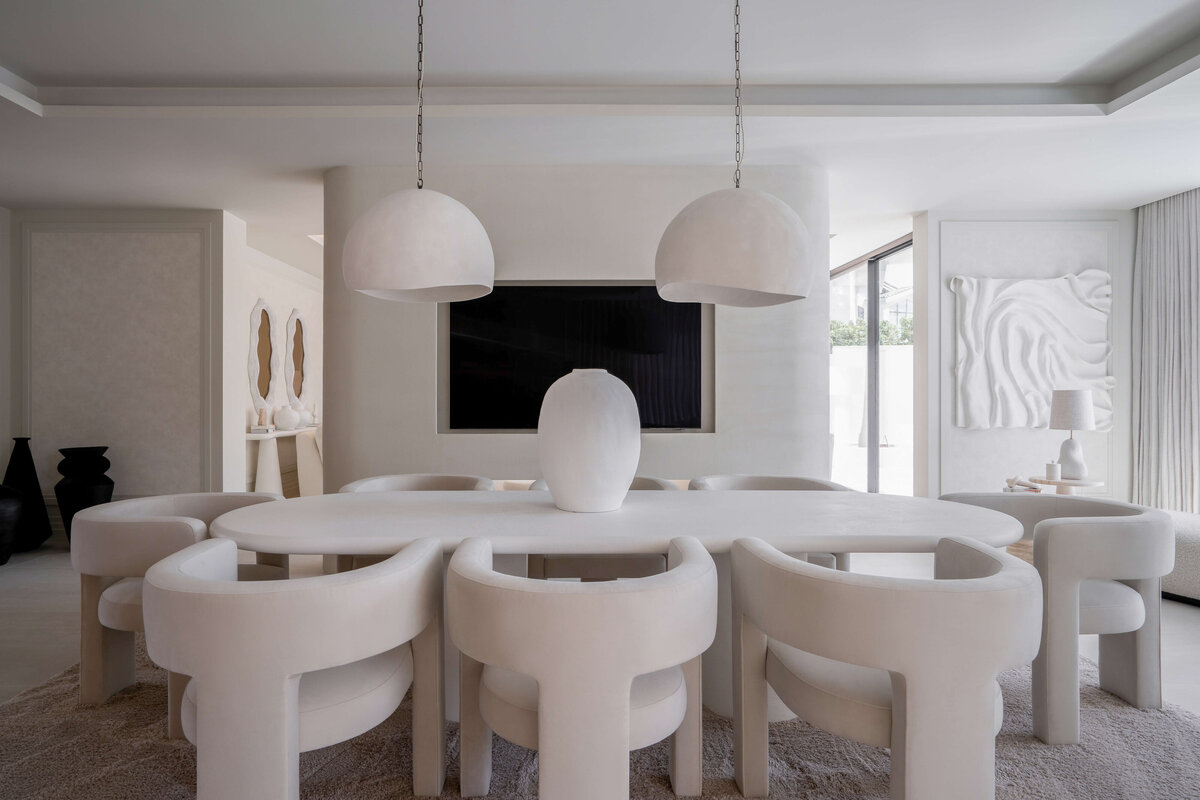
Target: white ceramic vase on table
(589, 440)
(287, 418)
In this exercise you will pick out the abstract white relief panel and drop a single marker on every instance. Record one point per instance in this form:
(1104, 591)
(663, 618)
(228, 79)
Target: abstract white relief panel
(1018, 339)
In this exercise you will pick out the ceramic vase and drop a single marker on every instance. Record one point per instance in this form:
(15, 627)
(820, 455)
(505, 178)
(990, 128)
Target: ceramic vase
(306, 417)
(286, 418)
(589, 440)
(10, 513)
(33, 525)
(84, 483)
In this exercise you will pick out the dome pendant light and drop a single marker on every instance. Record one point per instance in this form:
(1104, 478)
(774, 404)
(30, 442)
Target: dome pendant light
(735, 247)
(418, 245)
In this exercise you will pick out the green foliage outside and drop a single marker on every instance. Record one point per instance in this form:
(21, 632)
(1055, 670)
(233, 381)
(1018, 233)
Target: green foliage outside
(849, 334)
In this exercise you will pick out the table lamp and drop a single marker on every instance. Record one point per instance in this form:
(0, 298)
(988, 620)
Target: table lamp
(1072, 410)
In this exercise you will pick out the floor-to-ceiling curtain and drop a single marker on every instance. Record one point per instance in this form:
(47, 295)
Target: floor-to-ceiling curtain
(1166, 354)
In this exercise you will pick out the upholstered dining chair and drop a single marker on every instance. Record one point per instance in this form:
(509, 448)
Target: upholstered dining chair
(420, 482)
(606, 567)
(283, 667)
(909, 664)
(718, 666)
(582, 672)
(1101, 563)
(112, 546)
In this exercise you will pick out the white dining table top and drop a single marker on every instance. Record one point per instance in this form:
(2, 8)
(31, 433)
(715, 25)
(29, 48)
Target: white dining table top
(528, 522)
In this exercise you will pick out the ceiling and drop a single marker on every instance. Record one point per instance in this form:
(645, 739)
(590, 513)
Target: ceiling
(1032, 104)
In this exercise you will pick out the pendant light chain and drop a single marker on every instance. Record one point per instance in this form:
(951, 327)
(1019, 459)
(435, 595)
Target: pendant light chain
(420, 92)
(738, 135)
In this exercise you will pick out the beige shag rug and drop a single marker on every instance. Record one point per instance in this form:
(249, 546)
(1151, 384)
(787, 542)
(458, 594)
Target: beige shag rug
(52, 748)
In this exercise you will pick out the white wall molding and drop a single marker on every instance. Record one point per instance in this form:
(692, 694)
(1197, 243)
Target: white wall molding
(205, 223)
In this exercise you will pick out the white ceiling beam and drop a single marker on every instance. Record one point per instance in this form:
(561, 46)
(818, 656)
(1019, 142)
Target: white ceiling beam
(16, 89)
(779, 101)
(1151, 77)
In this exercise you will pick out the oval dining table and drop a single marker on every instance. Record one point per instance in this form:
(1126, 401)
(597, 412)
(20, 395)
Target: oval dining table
(528, 522)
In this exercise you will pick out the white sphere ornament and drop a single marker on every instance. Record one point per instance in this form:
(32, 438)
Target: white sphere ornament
(735, 247)
(589, 440)
(287, 418)
(418, 245)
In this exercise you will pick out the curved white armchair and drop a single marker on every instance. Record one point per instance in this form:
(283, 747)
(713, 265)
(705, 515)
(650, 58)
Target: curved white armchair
(718, 667)
(112, 546)
(420, 482)
(1101, 563)
(607, 567)
(583, 672)
(900, 663)
(283, 667)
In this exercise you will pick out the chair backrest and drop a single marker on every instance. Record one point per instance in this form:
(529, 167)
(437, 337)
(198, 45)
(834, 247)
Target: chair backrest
(982, 610)
(640, 483)
(595, 631)
(1091, 537)
(201, 620)
(421, 482)
(124, 538)
(765, 483)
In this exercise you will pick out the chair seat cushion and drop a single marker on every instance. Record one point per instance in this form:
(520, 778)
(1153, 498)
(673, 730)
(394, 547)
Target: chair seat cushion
(845, 699)
(1109, 607)
(120, 606)
(338, 703)
(508, 702)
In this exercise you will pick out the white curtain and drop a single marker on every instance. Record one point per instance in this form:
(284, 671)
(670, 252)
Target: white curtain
(1166, 354)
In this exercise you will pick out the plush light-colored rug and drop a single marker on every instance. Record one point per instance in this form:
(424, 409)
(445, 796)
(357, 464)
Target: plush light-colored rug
(53, 748)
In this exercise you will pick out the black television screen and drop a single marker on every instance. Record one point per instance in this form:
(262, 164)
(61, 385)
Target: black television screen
(508, 347)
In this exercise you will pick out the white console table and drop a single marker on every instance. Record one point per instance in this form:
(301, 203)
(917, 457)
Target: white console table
(268, 477)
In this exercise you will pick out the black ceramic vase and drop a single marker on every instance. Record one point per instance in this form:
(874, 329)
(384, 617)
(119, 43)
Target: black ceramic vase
(33, 525)
(84, 483)
(10, 513)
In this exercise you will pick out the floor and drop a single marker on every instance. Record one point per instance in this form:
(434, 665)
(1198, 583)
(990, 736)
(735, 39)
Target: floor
(39, 620)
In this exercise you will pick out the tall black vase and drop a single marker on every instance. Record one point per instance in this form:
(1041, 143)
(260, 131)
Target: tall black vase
(33, 525)
(10, 513)
(84, 483)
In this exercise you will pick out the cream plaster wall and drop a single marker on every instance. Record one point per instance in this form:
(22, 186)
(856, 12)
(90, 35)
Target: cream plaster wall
(9, 331)
(951, 459)
(116, 344)
(572, 223)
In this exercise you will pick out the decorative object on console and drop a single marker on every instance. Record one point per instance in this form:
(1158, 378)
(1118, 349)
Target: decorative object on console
(735, 247)
(1072, 410)
(10, 513)
(1054, 471)
(263, 365)
(418, 245)
(84, 483)
(33, 526)
(589, 440)
(287, 418)
(1016, 339)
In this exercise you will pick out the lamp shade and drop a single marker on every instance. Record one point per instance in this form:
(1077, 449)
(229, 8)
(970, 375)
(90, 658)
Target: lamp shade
(418, 245)
(734, 247)
(1072, 410)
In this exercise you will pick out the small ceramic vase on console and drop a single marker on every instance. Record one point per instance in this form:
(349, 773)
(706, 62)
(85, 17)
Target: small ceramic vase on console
(589, 440)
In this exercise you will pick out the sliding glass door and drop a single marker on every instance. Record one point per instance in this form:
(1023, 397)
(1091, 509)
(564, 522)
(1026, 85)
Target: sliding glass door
(871, 371)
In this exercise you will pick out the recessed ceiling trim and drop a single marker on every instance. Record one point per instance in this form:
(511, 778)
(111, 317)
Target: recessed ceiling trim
(16, 89)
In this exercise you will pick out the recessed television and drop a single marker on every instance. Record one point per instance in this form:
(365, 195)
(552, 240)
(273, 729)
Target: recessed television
(505, 349)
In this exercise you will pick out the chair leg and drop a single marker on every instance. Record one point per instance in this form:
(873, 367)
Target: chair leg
(687, 744)
(536, 567)
(583, 740)
(749, 707)
(106, 656)
(841, 561)
(1056, 668)
(247, 737)
(429, 711)
(1131, 663)
(345, 563)
(475, 737)
(943, 749)
(176, 685)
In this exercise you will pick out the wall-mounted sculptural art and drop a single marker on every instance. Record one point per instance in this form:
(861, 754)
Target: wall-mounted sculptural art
(1016, 340)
